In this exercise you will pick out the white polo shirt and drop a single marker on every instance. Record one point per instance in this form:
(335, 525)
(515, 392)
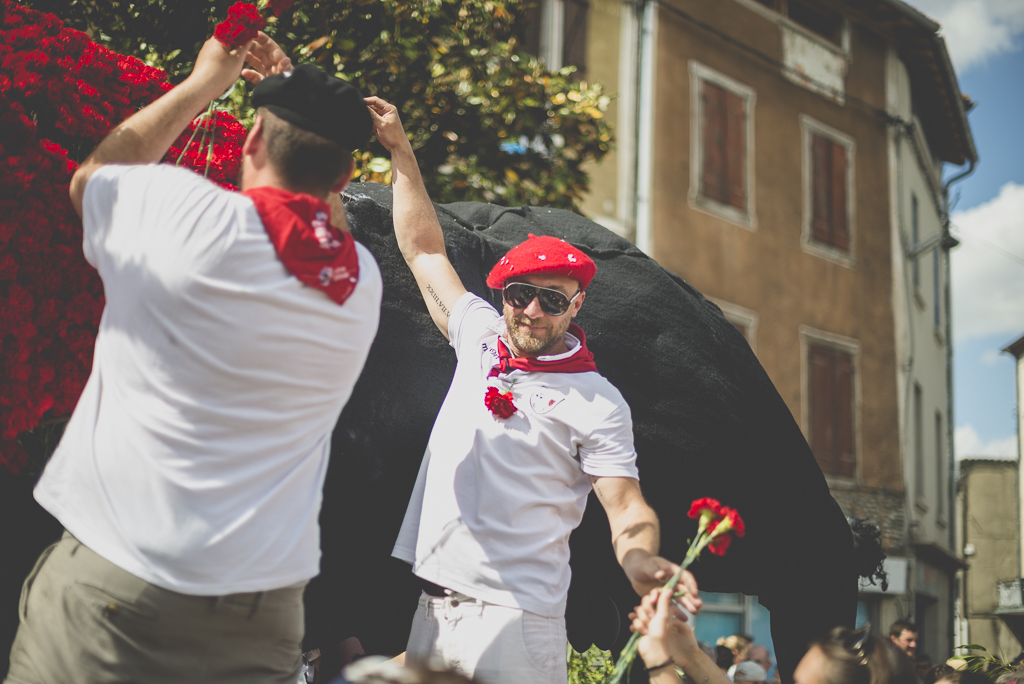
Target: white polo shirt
(197, 452)
(496, 499)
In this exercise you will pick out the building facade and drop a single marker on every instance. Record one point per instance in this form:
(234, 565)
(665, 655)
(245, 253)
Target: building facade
(785, 157)
(987, 491)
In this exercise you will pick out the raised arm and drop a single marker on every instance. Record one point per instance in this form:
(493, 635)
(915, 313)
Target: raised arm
(636, 537)
(416, 226)
(145, 137)
(668, 642)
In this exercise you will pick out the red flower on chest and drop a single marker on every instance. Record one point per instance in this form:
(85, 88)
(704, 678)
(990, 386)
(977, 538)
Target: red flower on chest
(499, 403)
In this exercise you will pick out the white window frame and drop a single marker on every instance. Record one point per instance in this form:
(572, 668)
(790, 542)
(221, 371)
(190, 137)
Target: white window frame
(821, 338)
(743, 218)
(739, 315)
(808, 128)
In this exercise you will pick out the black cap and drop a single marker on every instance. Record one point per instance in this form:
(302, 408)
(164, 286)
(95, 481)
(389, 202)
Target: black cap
(313, 100)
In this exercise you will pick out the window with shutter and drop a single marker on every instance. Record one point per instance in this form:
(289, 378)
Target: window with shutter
(831, 409)
(725, 146)
(829, 205)
(722, 137)
(828, 202)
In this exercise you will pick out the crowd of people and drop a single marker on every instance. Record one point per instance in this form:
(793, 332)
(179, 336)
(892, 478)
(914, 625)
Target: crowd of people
(236, 325)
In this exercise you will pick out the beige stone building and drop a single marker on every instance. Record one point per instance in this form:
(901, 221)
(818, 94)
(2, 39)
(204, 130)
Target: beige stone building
(785, 157)
(988, 491)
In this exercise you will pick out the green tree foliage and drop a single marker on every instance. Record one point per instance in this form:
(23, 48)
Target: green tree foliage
(488, 122)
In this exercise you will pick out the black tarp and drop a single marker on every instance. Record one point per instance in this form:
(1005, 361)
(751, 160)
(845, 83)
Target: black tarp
(706, 418)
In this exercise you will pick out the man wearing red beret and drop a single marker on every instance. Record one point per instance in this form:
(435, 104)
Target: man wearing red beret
(527, 429)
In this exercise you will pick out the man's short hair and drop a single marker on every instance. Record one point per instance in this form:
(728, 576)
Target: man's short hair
(306, 162)
(901, 626)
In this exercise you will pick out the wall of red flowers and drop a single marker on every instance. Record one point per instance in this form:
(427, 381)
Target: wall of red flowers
(60, 94)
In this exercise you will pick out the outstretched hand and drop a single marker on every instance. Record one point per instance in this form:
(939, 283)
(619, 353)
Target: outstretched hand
(664, 629)
(647, 572)
(387, 125)
(266, 58)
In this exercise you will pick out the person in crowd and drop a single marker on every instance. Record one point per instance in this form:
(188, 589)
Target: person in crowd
(738, 645)
(749, 671)
(903, 633)
(843, 656)
(964, 677)
(936, 673)
(528, 428)
(760, 655)
(1013, 676)
(922, 663)
(723, 658)
(189, 477)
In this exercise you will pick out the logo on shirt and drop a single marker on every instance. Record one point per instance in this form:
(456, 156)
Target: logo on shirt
(323, 233)
(544, 401)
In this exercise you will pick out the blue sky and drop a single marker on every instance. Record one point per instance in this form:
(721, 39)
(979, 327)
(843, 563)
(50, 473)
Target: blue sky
(985, 39)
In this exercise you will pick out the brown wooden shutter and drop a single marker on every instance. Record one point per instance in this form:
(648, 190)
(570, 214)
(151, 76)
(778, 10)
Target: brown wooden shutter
(840, 232)
(736, 150)
(831, 410)
(821, 172)
(820, 406)
(844, 427)
(713, 171)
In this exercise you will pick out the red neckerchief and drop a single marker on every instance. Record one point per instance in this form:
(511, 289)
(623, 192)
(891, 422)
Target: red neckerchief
(314, 251)
(580, 362)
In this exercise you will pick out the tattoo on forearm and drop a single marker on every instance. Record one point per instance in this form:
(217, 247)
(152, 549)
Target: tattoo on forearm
(437, 299)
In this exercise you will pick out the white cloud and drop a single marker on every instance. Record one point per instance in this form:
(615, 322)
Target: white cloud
(976, 29)
(968, 444)
(988, 285)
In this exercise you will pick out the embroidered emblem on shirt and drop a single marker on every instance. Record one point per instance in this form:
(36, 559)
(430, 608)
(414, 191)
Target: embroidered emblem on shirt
(543, 401)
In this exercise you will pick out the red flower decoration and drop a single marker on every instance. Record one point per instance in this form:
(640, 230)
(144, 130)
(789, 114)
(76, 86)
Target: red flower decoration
(499, 403)
(57, 84)
(240, 27)
(698, 507)
(279, 6)
(730, 524)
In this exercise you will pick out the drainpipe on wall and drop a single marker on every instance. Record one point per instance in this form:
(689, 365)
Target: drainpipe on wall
(643, 124)
(947, 244)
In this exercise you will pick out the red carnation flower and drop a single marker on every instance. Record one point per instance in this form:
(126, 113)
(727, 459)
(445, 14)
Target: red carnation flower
(240, 27)
(499, 403)
(731, 524)
(698, 507)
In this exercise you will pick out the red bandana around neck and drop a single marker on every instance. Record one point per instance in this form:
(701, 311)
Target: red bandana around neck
(580, 362)
(314, 251)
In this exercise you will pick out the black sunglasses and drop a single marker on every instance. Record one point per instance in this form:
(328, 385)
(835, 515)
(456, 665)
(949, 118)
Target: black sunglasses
(552, 302)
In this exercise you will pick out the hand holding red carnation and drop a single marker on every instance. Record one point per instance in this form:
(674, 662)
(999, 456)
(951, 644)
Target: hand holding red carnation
(240, 27)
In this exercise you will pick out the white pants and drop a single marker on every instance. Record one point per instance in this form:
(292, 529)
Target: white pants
(494, 644)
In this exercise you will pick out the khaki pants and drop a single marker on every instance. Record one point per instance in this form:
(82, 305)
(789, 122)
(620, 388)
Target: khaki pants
(492, 644)
(83, 619)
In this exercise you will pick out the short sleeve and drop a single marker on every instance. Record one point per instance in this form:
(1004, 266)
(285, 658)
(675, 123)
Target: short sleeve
(98, 204)
(472, 319)
(608, 450)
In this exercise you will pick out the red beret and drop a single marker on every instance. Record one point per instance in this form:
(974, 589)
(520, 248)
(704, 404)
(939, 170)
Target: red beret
(543, 254)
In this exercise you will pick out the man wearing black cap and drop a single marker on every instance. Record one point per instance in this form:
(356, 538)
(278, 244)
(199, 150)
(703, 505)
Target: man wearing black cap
(236, 324)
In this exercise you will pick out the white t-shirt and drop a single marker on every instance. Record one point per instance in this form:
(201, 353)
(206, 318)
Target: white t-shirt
(196, 455)
(496, 499)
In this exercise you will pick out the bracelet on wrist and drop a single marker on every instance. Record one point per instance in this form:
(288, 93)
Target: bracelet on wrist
(664, 664)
